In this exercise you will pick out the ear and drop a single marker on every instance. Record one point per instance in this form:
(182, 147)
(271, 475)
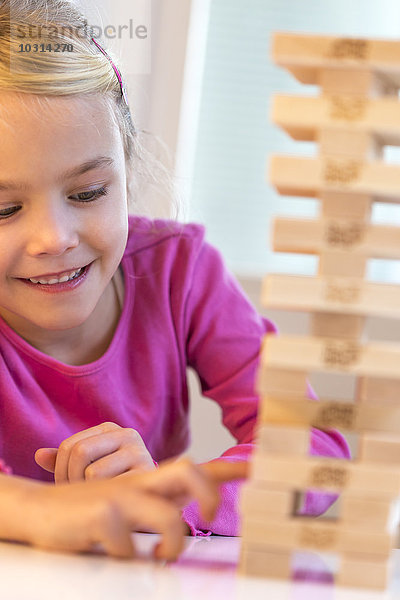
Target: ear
(46, 458)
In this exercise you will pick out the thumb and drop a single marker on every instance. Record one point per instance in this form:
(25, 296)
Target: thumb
(46, 458)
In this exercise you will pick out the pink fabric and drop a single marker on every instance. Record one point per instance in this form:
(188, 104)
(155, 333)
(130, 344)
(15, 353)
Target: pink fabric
(5, 468)
(181, 307)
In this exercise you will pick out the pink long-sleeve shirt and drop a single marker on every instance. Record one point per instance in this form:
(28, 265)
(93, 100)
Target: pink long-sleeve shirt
(181, 308)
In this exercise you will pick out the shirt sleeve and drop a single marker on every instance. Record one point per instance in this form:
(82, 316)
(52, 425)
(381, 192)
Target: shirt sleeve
(223, 341)
(5, 468)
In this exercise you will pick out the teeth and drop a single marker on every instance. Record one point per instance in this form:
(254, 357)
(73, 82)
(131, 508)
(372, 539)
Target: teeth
(63, 279)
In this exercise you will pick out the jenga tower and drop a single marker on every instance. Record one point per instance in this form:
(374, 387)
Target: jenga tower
(356, 113)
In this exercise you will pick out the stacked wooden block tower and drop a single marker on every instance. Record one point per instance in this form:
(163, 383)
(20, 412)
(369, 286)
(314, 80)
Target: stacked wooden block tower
(356, 113)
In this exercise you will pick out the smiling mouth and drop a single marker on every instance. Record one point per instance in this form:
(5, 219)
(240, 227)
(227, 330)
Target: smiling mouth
(52, 279)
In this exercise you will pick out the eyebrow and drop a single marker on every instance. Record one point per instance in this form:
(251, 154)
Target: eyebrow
(89, 165)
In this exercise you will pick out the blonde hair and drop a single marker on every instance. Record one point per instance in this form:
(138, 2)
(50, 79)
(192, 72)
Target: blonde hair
(81, 73)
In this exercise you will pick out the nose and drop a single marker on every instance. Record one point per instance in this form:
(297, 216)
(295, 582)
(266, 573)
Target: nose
(51, 231)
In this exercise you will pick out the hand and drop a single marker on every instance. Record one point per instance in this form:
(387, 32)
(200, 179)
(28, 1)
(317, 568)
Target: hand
(79, 516)
(216, 472)
(100, 452)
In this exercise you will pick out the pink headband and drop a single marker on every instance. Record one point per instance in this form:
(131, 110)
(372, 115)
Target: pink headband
(118, 74)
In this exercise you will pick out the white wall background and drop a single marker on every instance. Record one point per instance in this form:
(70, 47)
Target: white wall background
(229, 192)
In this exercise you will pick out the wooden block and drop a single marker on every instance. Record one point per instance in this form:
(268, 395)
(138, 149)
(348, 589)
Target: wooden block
(367, 573)
(355, 82)
(356, 120)
(317, 236)
(343, 143)
(278, 439)
(281, 381)
(336, 205)
(378, 448)
(337, 325)
(307, 55)
(308, 567)
(375, 389)
(331, 355)
(298, 176)
(341, 295)
(299, 412)
(342, 264)
(373, 513)
(330, 414)
(266, 502)
(268, 562)
(321, 536)
(331, 475)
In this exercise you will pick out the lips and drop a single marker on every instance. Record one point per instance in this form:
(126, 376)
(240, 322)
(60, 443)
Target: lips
(55, 288)
(52, 280)
(55, 275)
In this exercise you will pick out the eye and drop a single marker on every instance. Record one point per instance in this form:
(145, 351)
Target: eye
(91, 195)
(8, 212)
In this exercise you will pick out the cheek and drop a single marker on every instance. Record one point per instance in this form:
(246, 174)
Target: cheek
(10, 253)
(116, 241)
(108, 228)
(110, 238)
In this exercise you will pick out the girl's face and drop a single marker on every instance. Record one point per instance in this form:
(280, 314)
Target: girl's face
(63, 206)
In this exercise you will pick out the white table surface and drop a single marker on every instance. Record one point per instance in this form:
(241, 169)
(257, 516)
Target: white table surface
(206, 571)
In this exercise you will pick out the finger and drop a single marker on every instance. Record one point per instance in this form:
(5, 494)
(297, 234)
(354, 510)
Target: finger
(87, 453)
(117, 463)
(221, 471)
(150, 513)
(46, 458)
(115, 537)
(66, 447)
(203, 490)
(124, 446)
(108, 455)
(182, 481)
(172, 530)
(172, 542)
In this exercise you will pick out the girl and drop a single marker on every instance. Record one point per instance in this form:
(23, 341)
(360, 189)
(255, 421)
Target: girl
(101, 311)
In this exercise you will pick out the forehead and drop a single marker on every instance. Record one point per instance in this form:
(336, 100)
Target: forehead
(41, 133)
(17, 107)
